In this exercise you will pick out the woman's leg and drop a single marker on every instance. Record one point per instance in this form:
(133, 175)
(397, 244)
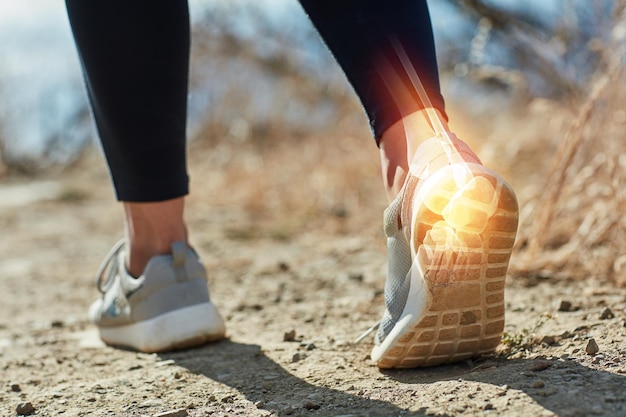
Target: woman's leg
(135, 58)
(360, 34)
(451, 222)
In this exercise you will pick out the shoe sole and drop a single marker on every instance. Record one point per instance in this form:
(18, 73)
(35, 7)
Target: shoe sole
(463, 235)
(179, 329)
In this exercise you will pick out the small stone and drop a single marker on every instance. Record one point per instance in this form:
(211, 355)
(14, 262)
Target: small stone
(548, 340)
(166, 362)
(592, 347)
(228, 399)
(488, 406)
(606, 314)
(540, 365)
(172, 413)
(310, 346)
(311, 405)
(297, 357)
(546, 392)
(147, 403)
(16, 388)
(24, 409)
(355, 276)
(565, 305)
(259, 404)
(539, 384)
(289, 336)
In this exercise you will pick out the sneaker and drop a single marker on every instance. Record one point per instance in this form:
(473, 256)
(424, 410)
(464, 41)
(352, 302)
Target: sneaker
(166, 308)
(450, 234)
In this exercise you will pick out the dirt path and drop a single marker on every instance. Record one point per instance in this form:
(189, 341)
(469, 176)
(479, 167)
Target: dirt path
(297, 285)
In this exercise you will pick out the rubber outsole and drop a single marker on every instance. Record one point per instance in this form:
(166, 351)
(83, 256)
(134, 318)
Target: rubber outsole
(462, 237)
(179, 329)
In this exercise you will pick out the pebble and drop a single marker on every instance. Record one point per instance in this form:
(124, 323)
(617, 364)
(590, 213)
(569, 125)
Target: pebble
(311, 405)
(228, 399)
(172, 413)
(540, 365)
(592, 347)
(148, 403)
(24, 409)
(548, 340)
(166, 362)
(606, 314)
(546, 392)
(16, 388)
(355, 276)
(289, 336)
(565, 305)
(539, 384)
(297, 357)
(259, 404)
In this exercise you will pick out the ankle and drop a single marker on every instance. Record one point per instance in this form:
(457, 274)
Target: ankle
(151, 228)
(400, 142)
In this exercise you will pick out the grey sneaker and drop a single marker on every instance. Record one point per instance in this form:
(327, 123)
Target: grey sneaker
(450, 235)
(166, 308)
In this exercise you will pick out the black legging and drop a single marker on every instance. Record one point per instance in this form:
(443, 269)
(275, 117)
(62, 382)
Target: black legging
(135, 57)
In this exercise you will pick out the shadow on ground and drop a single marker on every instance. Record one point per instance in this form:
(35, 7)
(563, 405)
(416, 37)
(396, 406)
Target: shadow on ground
(262, 381)
(562, 387)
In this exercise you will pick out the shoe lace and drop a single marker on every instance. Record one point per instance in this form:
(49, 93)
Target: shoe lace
(104, 279)
(367, 333)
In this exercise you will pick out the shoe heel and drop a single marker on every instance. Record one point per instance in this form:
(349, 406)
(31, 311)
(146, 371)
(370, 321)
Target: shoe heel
(464, 238)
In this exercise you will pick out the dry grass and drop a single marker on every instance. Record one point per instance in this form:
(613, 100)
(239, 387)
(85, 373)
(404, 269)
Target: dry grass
(292, 185)
(575, 226)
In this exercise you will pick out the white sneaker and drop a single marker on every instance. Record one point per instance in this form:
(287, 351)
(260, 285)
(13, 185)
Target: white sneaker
(450, 234)
(166, 308)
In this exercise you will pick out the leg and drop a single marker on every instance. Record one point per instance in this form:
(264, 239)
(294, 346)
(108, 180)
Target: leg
(359, 34)
(151, 228)
(135, 57)
(135, 61)
(451, 222)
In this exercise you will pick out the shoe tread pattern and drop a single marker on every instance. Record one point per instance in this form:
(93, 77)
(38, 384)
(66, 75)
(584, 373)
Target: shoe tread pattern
(464, 317)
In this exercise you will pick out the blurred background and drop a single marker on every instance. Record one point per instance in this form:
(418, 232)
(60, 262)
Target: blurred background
(536, 87)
